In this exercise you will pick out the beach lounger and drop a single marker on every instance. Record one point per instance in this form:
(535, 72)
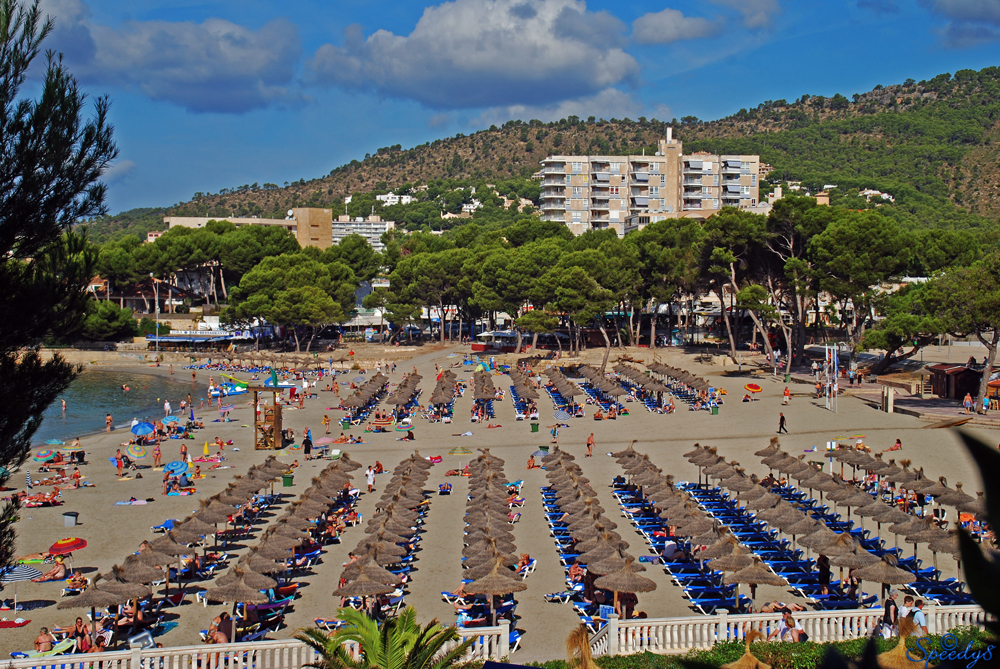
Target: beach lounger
(65, 646)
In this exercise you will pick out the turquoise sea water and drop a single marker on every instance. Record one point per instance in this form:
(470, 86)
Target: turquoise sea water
(95, 393)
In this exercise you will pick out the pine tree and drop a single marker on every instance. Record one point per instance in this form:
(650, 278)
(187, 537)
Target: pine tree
(51, 160)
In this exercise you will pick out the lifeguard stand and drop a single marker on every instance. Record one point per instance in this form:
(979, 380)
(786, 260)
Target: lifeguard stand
(267, 423)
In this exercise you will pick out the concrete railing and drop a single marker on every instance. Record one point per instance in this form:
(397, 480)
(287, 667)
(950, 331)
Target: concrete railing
(489, 643)
(679, 635)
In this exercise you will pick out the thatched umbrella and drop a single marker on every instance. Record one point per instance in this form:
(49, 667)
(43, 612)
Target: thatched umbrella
(495, 584)
(956, 497)
(295, 522)
(93, 598)
(151, 557)
(754, 575)
(773, 447)
(885, 572)
(859, 558)
(946, 544)
(134, 571)
(272, 551)
(624, 580)
(767, 501)
(732, 562)
(237, 591)
(116, 583)
(251, 579)
(615, 562)
(372, 571)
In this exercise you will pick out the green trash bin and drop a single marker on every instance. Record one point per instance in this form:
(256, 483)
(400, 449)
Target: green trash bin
(788, 378)
(715, 411)
(287, 480)
(534, 427)
(346, 424)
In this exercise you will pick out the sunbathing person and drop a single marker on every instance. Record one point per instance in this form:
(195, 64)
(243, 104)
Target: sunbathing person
(57, 573)
(781, 607)
(531, 463)
(77, 580)
(44, 641)
(576, 572)
(598, 415)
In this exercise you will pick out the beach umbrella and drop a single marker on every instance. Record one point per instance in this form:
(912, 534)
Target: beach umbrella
(818, 539)
(754, 575)
(135, 451)
(754, 493)
(69, 545)
(44, 455)
(171, 419)
(753, 388)
(936, 488)
(956, 497)
(142, 429)
(772, 448)
(615, 562)
(72, 448)
(838, 545)
(251, 579)
(115, 583)
(135, 571)
(92, 598)
(732, 562)
(885, 572)
(767, 501)
(17, 573)
(495, 584)
(623, 580)
(54, 442)
(372, 571)
(176, 467)
(856, 559)
(236, 592)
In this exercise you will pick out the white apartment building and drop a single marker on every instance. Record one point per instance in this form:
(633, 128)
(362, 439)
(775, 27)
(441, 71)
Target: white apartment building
(595, 192)
(389, 199)
(371, 228)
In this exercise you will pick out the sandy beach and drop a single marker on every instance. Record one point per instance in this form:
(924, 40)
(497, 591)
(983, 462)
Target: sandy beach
(113, 532)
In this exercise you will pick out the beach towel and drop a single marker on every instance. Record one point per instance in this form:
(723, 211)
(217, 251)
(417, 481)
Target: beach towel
(7, 624)
(126, 478)
(133, 502)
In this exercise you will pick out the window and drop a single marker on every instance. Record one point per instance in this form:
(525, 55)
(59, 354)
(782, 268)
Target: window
(654, 167)
(577, 191)
(614, 215)
(567, 179)
(654, 191)
(577, 168)
(706, 190)
(744, 190)
(616, 168)
(663, 180)
(753, 179)
(577, 217)
(663, 203)
(614, 190)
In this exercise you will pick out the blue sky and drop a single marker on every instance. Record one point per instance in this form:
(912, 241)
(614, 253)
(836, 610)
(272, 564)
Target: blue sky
(208, 95)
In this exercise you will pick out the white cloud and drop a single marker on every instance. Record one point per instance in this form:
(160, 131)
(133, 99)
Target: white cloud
(755, 13)
(485, 53)
(118, 172)
(212, 66)
(609, 103)
(970, 22)
(670, 25)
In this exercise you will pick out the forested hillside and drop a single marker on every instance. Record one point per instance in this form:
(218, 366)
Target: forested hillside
(932, 144)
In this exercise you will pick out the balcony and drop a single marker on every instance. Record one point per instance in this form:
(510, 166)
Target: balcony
(692, 181)
(641, 177)
(694, 196)
(553, 182)
(693, 170)
(726, 169)
(640, 201)
(692, 207)
(554, 169)
(558, 205)
(601, 176)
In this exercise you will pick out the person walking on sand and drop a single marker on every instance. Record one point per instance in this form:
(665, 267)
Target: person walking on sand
(166, 408)
(171, 368)
(781, 424)
(788, 394)
(157, 455)
(184, 452)
(370, 478)
(590, 445)
(967, 403)
(118, 462)
(326, 423)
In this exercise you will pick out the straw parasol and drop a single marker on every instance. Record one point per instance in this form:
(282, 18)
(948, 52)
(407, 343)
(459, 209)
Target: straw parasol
(956, 497)
(237, 591)
(856, 559)
(623, 580)
(495, 583)
(885, 572)
(773, 447)
(754, 575)
(899, 657)
(134, 571)
(615, 562)
(251, 578)
(93, 598)
(732, 562)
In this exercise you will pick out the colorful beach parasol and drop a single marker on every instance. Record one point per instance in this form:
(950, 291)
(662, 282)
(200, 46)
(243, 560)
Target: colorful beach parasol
(753, 388)
(226, 408)
(460, 450)
(135, 451)
(72, 448)
(176, 467)
(21, 572)
(142, 429)
(324, 440)
(69, 545)
(171, 419)
(54, 442)
(561, 415)
(44, 455)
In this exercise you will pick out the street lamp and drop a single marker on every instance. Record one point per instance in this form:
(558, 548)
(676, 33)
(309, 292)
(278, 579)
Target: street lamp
(156, 311)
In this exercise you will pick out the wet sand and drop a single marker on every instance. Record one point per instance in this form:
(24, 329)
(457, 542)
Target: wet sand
(741, 428)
